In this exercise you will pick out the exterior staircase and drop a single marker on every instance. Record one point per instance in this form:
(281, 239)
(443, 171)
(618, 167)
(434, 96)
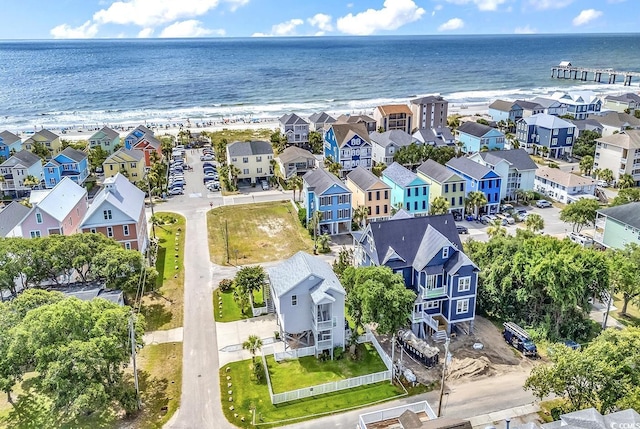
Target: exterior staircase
(267, 298)
(439, 336)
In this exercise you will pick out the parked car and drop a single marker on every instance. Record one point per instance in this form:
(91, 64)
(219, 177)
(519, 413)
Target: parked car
(265, 185)
(543, 204)
(208, 179)
(602, 183)
(506, 218)
(462, 229)
(176, 191)
(487, 219)
(208, 164)
(522, 217)
(207, 157)
(519, 339)
(506, 208)
(213, 186)
(572, 344)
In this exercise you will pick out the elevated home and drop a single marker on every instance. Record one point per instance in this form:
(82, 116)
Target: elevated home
(394, 117)
(118, 212)
(369, 191)
(580, 104)
(17, 168)
(620, 153)
(586, 125)
(46, 138)
(563, 186)
(253, 160)
(615, 122)
(107, 138)
(129, 163)
(9, 144)
(320, 122)
(70, 163)
(10, 219)
(56, 211)
(623, 103)
(501, 110)
(546, 130)
(295, 161)
(408, 191)
(295, 128)
(349, 145)
(308, 300)
(479, 178)
(530, 108)
(429, 112)
(428, 253)
(515, 167)
(476, 137)
(439, 137)
(368, 122)
(136, 135)
(551, 106)
(385, 145)
(443, 183)
(324, 192)
(143, 139)
(618, 226)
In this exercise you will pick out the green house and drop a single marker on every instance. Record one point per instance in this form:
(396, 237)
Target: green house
(618, 226)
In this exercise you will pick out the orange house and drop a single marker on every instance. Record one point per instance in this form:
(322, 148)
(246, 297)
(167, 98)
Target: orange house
(369, 191)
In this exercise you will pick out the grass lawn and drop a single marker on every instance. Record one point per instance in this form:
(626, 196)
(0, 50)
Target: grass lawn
(233, 135)
(230, 310)
(632, 318)
(257, 233)
(163, 308)
(309, 371)
(547, 406)
(247, 394)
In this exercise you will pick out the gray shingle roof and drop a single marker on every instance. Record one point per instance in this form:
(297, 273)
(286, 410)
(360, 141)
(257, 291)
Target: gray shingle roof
(74, 154)
(354, 119)
(288, 274)
(469, 167)
(321, 180)
(474, 128)
(545, 102)
(437, 172)
(501, 105)
(8, 137)
(398, 137)
(24, 157)
(11, 216)
(292, 153)
(625, 98)
(428, 99)
(344, 132)
(518, 158)
(363, 178)
(292, 119)
(108, 133)
(529, 105)
(399, 175)
(616, 119)
(257, 147)
(47, 134)
(322, 117)
(440, 136)
(628, 214)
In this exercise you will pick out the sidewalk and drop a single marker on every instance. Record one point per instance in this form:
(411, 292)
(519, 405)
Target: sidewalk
(517, 416)
(161, 337)
(231, 335)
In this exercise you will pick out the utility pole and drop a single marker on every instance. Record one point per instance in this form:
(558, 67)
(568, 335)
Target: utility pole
(226, 238)
(133, 356)
(444, 372)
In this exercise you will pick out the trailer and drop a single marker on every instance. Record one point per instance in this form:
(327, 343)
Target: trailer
(519, 339)
(418, 349)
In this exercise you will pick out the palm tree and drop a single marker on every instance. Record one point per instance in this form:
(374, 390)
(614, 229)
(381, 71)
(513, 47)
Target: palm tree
(234, 172)
(253, 344)
(496, 229)
(534, 222)
(334, 168)
(626, 181)
(439, 206)
(606, 175)
(586, 164)
(596, 173)
(360, 215)
(545, 151)
(296, 182)
(314, 224)
(31, 181)
(476, 199)
(166, 146)
(534, 149)
(323, 242)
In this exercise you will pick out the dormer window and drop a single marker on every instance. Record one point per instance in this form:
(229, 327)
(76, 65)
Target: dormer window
(445, 252)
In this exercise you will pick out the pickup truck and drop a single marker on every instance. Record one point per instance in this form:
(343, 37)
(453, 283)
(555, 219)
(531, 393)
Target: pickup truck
(519, 339)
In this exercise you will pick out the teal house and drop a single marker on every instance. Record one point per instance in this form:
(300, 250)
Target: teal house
(475, 137)
(618, 226)
(407, 189)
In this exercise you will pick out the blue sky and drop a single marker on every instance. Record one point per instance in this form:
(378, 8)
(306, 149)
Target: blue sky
(48, 19)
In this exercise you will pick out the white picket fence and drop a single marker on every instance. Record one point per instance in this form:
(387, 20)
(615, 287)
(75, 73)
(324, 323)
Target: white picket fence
(368, 337)
(259, 311)
(294, 353)
(394, 413)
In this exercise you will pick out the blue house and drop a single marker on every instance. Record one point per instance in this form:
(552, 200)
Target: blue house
(475, 136)
(479, 178)
(70, 163)
(501, 110)
(135, 136)
(546, 130)
(324, 192)
(407, 189)
(348, 144)
(9, 144)
(428, 253)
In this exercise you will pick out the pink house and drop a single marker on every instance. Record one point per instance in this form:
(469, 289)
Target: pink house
(55, 211)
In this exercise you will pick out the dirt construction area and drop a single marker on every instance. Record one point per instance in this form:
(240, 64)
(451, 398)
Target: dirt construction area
(495, 357)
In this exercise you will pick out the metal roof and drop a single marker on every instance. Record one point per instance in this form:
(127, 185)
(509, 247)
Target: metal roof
(257, 147)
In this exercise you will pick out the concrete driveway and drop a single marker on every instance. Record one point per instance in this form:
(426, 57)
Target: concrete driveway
(231, 335)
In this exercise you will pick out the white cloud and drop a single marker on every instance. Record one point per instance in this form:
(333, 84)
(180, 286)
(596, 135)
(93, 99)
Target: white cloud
(549, 4)
(484, 5)
(237, 4)
(525, 30)
(65, 31)
(586, 16)
(452, 24)
(438, 7)
(322, 21)
(393, 15)
(287, 28)
(145, 32)
(189, 28)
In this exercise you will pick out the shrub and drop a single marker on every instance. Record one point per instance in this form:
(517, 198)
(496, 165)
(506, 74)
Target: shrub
(225, 285)
(302, 216)
(338, 352)
(258, 371)
(276, 335)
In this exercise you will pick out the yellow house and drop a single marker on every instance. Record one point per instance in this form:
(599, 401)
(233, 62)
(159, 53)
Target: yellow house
(50, 140)
(444, 183)
(130, 163)
(252, 159)
(369, 191)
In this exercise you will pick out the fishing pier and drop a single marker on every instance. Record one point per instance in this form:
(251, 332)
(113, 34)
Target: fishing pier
(567, 71)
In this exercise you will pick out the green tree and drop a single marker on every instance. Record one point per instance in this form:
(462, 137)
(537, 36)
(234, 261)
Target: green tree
(626, 181)
(314, 226)
(378, 168)
(250, 279)
(315, 142)
(586, 164)
(534, 222)
(234, 172)
(606, 175)
(279, 142)
(41, 150)
(439, 206)
(585, 144)
(624, 272)
(166, 146)
(253, 343)
(97, 157)
(323, 243)
(627, 195)
(332, 166)
(545, 151)
(580, 213)
(475, 200)
(496, 229)
(482, 121)
(360, 215)
(296, 183)
(345, 259)
(31, 181)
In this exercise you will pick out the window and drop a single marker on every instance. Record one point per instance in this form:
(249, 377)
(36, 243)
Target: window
(325, 201)
(446, 189)
(245, 171)
(431, 305)
(127, 245)
(377, 210)
(377, 195)
(462, 306)
(453, 201)
(415, 205)
(424, 190)
(234, 159)
(35, 234)
(409, 192)
(245, 160)
(569, 140)
(93, 230)
(386, 195)
(259, 170)
(445, 252)
(554, 142)
(258, 158)
(386, 209)
(464, 284)
(125, 230)
(462, 187)
(109, 231)
(424, 205)
(38, 218)
(294, 300)
(369, 195)
(453, 187)
(107, 214)
(555, 131)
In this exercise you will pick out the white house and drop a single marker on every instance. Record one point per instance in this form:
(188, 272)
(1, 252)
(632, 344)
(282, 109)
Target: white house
(563, 186)
(580, 104)
(385, 145)
(295, 128)
(620, 153)
(17, 168)
(515, 167)
(308, 300)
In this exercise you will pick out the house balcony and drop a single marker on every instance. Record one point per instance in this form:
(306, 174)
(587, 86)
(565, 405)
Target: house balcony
(324, 345)
(423, 316)
(433, 293)
(323, 325)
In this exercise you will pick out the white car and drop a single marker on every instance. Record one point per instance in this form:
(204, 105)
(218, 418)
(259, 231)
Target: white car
(176, 191)
(543, 204)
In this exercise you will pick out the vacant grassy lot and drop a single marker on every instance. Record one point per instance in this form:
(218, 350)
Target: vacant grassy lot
(309, 371)
(257, 233)
(241, 135)
(247, 393)
(163, 307)
(632, 318)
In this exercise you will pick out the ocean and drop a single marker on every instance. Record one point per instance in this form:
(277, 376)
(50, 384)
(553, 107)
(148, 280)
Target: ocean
(89, 83)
